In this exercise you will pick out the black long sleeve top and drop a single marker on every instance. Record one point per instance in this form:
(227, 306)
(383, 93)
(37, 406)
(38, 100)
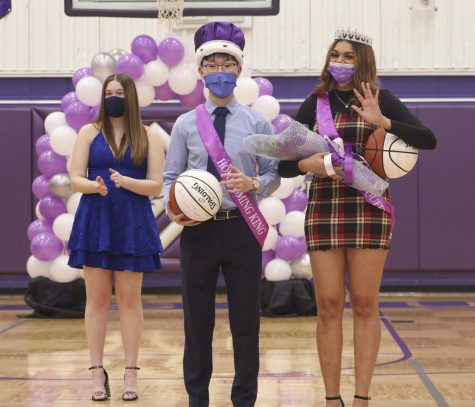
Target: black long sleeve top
(403, 123)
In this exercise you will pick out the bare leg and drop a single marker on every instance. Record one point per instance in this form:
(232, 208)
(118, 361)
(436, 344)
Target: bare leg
(98, 297)
(366, 270)
(128, 293)
(328, 269)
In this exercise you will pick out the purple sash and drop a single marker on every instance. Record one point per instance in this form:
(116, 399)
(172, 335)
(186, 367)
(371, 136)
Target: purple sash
(326, 126)
(243, 200)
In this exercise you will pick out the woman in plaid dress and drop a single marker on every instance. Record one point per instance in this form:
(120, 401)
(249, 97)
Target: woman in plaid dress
(343, 231)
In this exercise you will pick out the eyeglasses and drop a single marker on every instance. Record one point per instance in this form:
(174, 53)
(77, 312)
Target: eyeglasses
(227, 67)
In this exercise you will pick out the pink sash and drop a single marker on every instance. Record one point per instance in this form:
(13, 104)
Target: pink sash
(326, 126)
(243, 200)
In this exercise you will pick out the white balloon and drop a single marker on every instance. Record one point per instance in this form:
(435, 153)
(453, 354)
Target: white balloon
(156, 73)
(271, 239)
(182, 79)
(206, 93)
(293, 224)
(73, 202)
(301, 268)
(80, 273)
(89, 90)
(61, 272)
(273, 210)
(189, 44)
(37, 211)
(278, 270)
(268, 105)
(36, 268)
(298, 180)
(63, 225)
(62, 140)
(145, 93)
(285, 189)
(246, 91)
(54, 120)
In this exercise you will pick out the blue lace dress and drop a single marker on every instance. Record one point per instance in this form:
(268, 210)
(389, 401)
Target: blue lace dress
(117, 231)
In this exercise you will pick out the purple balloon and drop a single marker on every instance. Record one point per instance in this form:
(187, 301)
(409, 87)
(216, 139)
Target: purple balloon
(46, 246)
(42, 144)
(68, 99)
(194, 98)
(302, 245)
(265, 86)
(81, 73)
(51, 206)
(267, 256)
(50, 163)
(164, 92)
(171, 51)
(297, 201)
(288, 248)
(77, 115)
(131, 65)
(145, 47)
(281, 122)
(40, 186)
(38, 226)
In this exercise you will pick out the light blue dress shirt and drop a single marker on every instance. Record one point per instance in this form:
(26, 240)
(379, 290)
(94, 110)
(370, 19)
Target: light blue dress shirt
(186, 150)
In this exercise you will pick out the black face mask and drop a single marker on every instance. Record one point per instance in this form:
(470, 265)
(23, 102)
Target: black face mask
(114, 106)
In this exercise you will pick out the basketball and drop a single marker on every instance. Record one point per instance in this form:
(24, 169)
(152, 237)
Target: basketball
(388, 155)
(197, 194)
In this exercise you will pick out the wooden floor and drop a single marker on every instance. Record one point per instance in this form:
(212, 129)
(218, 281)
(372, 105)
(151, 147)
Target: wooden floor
(427, 357)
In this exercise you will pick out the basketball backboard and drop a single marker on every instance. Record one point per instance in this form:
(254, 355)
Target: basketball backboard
(148, 8)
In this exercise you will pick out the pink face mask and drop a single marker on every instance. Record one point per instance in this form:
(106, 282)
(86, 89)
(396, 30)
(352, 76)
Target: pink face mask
(342, 73)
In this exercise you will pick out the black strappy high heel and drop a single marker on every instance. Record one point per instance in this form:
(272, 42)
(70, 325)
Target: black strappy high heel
(102, 395)
(128, 395)
(336, 398)
(362, 397)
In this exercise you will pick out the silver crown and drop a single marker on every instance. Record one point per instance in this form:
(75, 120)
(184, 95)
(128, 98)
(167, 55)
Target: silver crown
(353, 35)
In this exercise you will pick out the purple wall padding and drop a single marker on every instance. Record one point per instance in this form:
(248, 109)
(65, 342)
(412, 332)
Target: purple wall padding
(434, 227)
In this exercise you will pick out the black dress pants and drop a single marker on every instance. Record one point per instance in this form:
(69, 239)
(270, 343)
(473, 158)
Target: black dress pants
(228, 245)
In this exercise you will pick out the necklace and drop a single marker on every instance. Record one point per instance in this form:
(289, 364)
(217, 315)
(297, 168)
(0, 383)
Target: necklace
(342, 102)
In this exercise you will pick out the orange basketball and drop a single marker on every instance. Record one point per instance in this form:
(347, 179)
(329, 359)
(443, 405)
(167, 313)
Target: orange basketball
(388, 155)
(173, 203)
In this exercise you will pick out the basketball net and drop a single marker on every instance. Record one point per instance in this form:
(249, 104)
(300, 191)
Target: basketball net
(170, 13)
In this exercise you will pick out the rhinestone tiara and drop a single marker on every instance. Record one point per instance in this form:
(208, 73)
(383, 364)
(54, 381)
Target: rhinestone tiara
(353, 35)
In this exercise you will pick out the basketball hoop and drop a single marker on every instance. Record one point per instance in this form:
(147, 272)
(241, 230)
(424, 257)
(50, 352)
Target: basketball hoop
(170, 13)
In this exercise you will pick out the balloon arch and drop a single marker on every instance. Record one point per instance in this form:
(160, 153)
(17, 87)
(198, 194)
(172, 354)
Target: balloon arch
(163, 71)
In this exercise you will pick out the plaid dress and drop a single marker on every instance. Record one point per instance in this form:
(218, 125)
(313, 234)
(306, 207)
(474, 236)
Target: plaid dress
(337, 215)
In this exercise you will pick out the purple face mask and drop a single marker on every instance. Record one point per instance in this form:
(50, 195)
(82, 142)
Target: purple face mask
(342, 73)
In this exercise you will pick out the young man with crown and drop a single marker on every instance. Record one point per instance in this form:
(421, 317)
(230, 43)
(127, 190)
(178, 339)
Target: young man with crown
(210, 137)
(344, 229)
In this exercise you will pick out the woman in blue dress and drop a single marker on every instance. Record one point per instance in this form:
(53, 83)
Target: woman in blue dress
(117, 164)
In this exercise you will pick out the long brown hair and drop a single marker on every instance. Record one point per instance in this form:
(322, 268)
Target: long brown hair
(135, 134)
(365, 69)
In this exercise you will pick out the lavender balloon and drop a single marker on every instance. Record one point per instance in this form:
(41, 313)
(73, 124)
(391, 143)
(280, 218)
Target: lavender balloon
(81, 73)
(131, 65)
(297, 201)
(164, 92)
(288, 248)
(171, 51)
(51, 206)
(40, 186)
(42, 144)
(194, 98)
(38, 226)
(145, 47)
(46, 246)
(280, 123)
(267, 256)
(265, 86)
(68, 99)
(50, 163)
(77, 115)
